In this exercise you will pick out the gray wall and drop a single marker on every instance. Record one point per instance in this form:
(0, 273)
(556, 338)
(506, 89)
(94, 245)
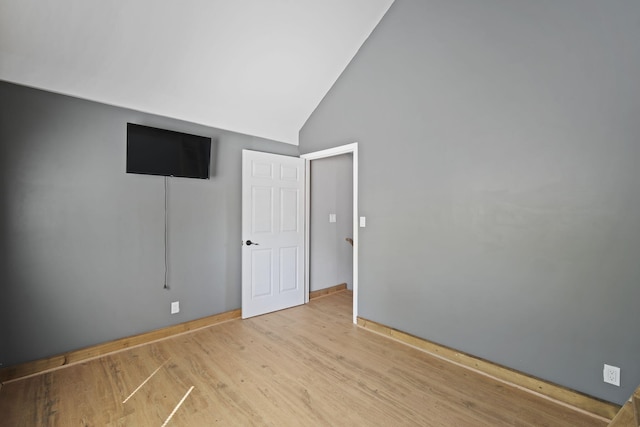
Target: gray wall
(499, 147)
(82, 241)
(331, 257)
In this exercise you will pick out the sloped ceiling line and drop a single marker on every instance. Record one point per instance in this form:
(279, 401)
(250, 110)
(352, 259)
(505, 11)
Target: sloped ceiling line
(258, 67)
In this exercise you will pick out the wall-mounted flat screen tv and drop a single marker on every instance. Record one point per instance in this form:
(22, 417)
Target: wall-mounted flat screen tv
(153, 151)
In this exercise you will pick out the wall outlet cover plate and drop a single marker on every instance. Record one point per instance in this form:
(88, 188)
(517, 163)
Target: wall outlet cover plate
(611, 375)
(175, 307)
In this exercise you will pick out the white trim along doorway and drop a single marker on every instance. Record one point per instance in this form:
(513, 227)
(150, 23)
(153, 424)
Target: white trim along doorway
(309, 157)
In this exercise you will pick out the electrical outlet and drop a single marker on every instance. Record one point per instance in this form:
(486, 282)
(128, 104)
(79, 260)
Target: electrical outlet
(175, 307)
(611, 375)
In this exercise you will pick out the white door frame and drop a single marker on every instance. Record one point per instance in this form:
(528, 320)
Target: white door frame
(331, 152)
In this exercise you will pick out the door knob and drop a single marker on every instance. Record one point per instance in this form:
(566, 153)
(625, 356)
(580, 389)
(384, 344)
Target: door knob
(249, 243)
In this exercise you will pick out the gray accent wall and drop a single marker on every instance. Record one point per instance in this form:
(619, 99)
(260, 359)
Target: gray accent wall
(82, 241)
(499, 144)
(331, 256)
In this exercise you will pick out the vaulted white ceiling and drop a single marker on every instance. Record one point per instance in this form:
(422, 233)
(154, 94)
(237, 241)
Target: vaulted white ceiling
(258, 67)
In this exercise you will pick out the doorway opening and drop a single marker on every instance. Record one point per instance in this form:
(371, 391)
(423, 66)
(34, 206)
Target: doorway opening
(309, 158)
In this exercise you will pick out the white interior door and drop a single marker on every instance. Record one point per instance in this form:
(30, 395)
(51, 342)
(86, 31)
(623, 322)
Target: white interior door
(273, 246)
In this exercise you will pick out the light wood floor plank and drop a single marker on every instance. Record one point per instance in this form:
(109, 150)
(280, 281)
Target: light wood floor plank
(304, 366)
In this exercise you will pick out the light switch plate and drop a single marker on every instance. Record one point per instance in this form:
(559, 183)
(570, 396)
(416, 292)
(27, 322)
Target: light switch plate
(175, 307)
(363, 221)
(332, 217)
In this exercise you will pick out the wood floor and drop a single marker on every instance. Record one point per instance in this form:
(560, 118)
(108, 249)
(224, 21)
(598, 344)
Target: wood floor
(304, 366)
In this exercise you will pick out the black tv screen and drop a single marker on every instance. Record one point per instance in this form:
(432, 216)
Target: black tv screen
(153, 151)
